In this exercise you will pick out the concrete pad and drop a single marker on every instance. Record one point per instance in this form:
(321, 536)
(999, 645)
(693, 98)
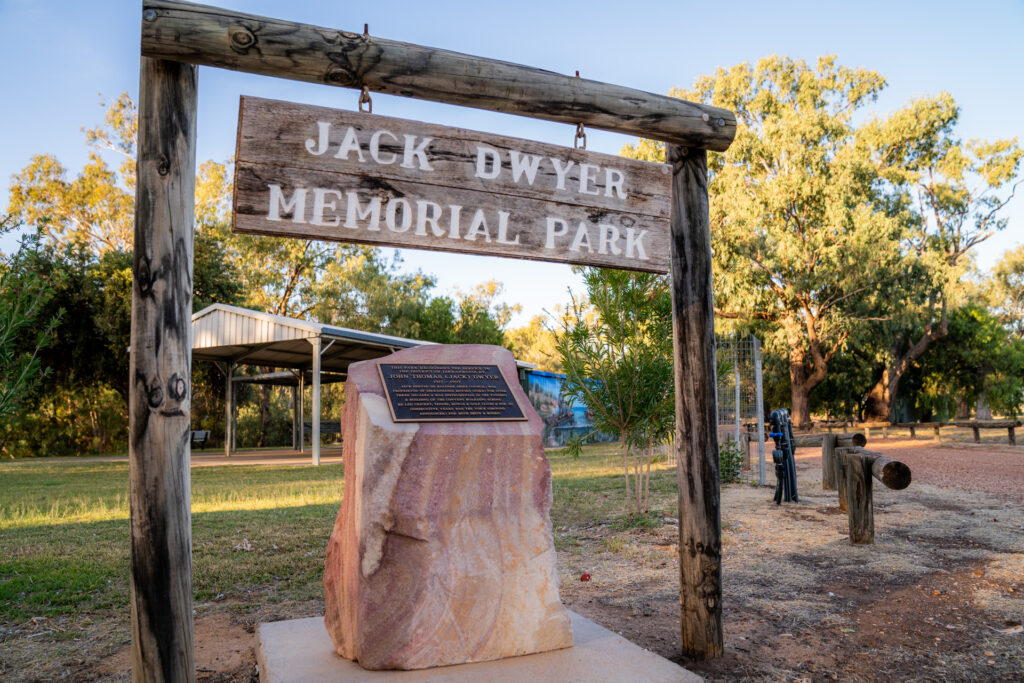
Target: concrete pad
(300, 650)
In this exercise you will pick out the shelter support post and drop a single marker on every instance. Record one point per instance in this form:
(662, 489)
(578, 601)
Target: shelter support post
(160, 375)
(229, 401)
(315, 408)
(296, 423)
(302, 411)
(696, 439)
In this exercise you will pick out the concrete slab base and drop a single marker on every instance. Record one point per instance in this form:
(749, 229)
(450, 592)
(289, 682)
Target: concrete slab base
(300, 650)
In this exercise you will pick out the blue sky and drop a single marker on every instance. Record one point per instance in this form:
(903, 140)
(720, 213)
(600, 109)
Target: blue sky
(58, 58)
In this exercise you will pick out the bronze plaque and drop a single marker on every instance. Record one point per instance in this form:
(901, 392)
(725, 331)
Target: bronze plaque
(418, 392)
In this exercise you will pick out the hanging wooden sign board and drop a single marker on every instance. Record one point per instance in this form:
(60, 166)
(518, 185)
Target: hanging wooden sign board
(319, 173)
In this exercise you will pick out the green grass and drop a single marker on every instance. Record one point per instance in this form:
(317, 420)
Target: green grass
(64, 541)
(258, 533)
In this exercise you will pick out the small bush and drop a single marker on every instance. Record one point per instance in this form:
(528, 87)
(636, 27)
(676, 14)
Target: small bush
(730, 462)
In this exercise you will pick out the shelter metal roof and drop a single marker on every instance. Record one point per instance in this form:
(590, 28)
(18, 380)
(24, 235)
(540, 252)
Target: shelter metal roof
(239, 335)
(232, 334)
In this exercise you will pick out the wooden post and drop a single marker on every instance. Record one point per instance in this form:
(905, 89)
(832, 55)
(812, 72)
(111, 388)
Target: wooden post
(859, 498)
(977, 435)
(160, 375)
(315, 408)
(937, 426)
(696, 440)
(229, 396)
(1011, 436)
(840, 465)
(302, 411)
(828, 465)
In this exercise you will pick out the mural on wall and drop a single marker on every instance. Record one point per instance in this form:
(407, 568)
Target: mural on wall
(561, 421)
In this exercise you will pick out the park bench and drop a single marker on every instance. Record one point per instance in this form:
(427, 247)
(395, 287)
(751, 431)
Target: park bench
(868, 426)
(199, 438)
(914, 426)
(976, 425)
(857, 467)
(326, 427)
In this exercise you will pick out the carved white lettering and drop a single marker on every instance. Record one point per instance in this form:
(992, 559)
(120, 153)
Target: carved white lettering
(588, 175)
(391, 215)
(278, 204)
(453, 224)
(613, 180)
(349, 144)
(561, 171)
(488, 162)
(320, 203)
(375, 148)
(355, 210)
(523, 164)
(503, 229)
(582, 239)
(478, 226)
(414, 151)
(320, 144)
(635, 243)
(608, 235)
(556, 227)
(428, 213)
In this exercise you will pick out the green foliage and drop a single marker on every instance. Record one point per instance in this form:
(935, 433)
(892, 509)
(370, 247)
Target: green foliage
(617, 357)
(26, 325)
(974, 360)
(1005, 291)
(730, 462)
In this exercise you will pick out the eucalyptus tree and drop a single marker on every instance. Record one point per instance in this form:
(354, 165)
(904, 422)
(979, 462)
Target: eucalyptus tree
(801, 238)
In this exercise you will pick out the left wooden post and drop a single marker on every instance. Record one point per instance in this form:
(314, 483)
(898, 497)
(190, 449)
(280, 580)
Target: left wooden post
(160, 375)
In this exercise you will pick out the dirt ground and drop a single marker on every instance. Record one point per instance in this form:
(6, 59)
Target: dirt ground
(926, 602)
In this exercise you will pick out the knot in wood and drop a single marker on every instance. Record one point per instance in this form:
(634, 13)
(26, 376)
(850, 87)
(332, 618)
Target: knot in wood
(339, 76)
(242, 38)
(155, 394)
(149, 14)
(176, 387)
(163, 165)
(144, 279)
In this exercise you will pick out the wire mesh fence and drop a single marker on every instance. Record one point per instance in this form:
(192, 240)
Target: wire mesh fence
(740, 408)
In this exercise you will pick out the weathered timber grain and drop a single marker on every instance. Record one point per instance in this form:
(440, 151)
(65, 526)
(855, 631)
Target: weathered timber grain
(696, 438)
(526, 236)
(860, 512)
(844, 440)
(288, 134)
(893, 473)
(160, 375)
(828, 464)
(212, 36)
(840, 465)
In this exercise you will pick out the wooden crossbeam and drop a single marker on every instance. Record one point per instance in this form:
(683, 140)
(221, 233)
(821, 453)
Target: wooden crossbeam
(212, 36)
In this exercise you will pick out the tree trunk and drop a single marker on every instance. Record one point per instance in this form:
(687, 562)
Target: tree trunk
(982, 411)
(882, 396)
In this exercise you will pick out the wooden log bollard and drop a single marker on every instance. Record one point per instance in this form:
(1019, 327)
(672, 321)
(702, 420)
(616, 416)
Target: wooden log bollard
(844, 440)
(828, 463)
(857, 467)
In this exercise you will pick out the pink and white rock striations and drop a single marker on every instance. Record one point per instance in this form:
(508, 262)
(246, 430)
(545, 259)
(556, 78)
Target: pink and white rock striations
(442, 550)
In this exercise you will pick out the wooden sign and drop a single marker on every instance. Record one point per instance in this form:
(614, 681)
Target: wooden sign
(319, 173)
(421, 392)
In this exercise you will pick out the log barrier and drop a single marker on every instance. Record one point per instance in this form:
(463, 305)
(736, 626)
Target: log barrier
(857, 467)
(1009, 425)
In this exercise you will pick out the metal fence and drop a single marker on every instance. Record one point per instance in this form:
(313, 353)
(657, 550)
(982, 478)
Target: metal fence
(740, 397)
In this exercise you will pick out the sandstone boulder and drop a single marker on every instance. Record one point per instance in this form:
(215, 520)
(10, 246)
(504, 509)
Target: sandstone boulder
(442, 550)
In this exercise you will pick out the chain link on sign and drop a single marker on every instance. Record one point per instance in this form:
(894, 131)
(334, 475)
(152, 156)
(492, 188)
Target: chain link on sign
(581, 137)
(364, 98)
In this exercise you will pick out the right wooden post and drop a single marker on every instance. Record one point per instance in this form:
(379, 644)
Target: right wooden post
(828, 462)
(696, 442)
(860, 511)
